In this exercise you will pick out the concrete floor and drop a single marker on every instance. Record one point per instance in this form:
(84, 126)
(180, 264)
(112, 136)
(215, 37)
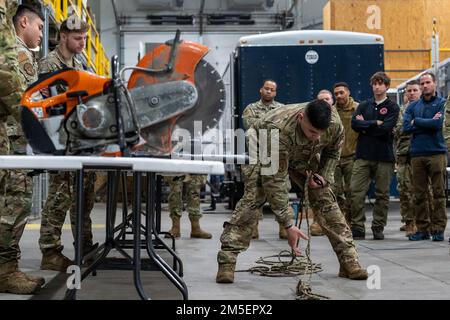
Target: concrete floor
(408, 270)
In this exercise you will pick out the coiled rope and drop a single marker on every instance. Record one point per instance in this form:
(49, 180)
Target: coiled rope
(285, 264)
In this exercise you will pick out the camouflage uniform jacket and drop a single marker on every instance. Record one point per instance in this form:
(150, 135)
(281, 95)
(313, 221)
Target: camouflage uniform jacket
(298, 154)
(402, 140)
(11, 86)
(302, 154)
(255, 110)
(351, 136)
(55, 61)
(446, 127)
(29, 71)
(27, 62)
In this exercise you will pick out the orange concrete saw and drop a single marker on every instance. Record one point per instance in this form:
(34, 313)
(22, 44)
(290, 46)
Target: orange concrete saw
(172, 86)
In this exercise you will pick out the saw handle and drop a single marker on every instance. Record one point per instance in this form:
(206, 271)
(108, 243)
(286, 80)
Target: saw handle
(77, 94)
(65, 76)
(79, 84)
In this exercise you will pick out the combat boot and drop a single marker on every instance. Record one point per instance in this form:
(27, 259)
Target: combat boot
(352, 270)
(378, 233)
(410, 228)
(225, 274)
(175, 230)
(39, 280)
(255, 232)
(315, 229)
(196, 231)
(282, 233)
(53, 259)
(14, 281)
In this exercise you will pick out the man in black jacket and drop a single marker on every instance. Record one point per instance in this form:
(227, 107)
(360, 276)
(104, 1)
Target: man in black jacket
(374, 120)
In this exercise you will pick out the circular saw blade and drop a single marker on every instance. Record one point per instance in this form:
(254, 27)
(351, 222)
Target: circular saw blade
(207, 111)
(211, 100)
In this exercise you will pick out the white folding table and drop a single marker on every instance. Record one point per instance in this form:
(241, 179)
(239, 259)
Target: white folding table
(115, 167)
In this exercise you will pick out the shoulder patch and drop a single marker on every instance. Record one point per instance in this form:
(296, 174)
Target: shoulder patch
(28, 67)
(22, 56)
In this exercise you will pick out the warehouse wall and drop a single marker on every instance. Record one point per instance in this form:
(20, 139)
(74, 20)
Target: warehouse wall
(407, 27)
(222, 40)
(308, 16)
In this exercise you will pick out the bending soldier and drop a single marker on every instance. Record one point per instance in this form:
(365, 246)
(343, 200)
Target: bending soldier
(309, 142)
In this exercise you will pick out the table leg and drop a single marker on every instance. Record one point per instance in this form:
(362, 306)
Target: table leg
(137, 235)
(71, 294)
(151, 231)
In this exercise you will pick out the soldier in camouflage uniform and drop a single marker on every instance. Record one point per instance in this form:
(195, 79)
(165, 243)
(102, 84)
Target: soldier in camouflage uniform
(447, 122)
(193, 185)
(446, 129)
(16, 186)
(61, 190)
(28, 23)
(250, 115)
(310, 138)
(404, 173)
(345, 106)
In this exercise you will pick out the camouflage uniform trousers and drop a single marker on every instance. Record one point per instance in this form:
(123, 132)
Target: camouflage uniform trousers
(405, 189)
(341, 186)
(257, 194)
(15, 185)
(238, 231)
(62, 195)
(11, 84)
(15, 204)
(193, 185)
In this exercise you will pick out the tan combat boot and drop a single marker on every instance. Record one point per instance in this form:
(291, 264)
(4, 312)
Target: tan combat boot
(196, 231)
(39, 280)
(315, 229)
(225, 274)
(175, 230)
(255, 233)
(410, 228)
(14, 281)
(282, 233)
(53, 259)
(352, 270)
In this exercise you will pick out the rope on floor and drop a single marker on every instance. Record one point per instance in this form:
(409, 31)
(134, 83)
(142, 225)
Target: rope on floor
(304, 292)
(285, 265)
